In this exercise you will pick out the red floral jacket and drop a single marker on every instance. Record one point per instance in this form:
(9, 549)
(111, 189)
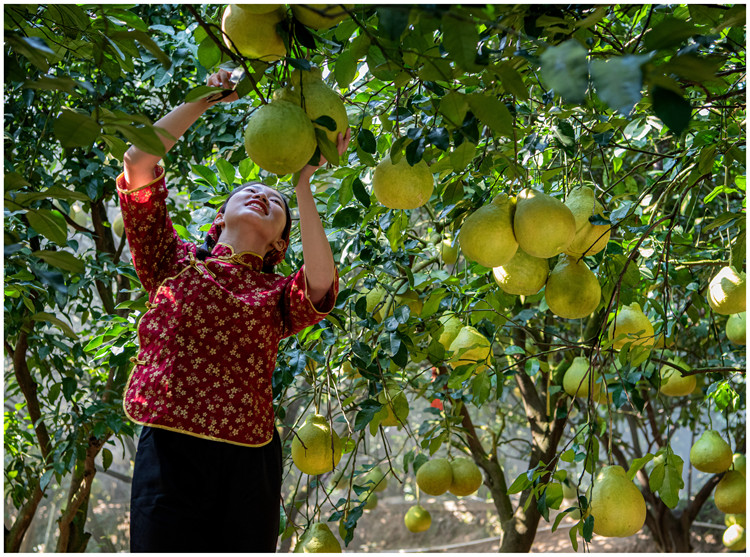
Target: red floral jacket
(210, 336)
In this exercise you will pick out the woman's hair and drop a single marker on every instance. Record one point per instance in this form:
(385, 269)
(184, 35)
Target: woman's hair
(273, 256)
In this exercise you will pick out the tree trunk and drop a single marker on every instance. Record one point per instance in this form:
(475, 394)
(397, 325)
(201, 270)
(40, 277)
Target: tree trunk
(14, 536)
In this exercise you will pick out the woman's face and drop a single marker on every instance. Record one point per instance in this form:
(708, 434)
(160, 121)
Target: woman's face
(256, 209)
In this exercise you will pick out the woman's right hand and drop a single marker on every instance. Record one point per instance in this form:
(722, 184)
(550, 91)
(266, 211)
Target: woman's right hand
(221, 79)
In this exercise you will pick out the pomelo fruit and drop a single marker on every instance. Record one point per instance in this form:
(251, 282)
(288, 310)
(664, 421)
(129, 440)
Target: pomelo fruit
(118, 227)
(395, 406)
(320, 16)
(467, 477)
(376, 480)
(486, 235)
(632, 322)
(435, 476)
(318, 99)
(451, 327)
(710, 453)
(259, 8)
(589, 238)
(253, 34)
(572, 291)
(417, 519)
(736, 328)
(280, 138)
(402, 186)
(523, 275)
(739, 463)
(448, 251)
(318, 539)
(376, 303)
(673, 383)
(316, 449)
(469, 347)
(576, 379)
(371, 501)
(726, 291)
(617, 505)
(734, 538)
(543, 225)
(729, 495)
(740, 519)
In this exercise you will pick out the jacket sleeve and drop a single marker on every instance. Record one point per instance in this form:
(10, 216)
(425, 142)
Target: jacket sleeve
(298, 310)
(155, 246)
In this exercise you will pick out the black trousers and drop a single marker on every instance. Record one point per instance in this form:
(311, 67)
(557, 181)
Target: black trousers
(196, 495)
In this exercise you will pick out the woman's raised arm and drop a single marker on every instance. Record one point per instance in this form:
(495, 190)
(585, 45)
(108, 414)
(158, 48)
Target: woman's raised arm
(139, 165)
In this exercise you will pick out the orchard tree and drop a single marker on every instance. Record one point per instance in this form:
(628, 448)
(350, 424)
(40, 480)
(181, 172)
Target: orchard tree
(642, 104)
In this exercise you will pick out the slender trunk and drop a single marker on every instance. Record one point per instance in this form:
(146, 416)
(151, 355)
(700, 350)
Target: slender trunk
(14, 536)
(73, 538)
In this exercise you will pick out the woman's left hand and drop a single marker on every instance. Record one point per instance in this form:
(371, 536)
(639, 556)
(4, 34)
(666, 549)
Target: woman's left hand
(342, 144)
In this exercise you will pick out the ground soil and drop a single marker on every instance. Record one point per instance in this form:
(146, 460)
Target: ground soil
(457, 524)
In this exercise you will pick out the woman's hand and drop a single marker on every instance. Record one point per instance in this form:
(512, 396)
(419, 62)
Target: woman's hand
(342, 145)
(221, 79)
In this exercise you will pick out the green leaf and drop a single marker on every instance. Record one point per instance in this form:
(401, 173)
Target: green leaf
(208, 53)
(618, 81)
(573, 535)
(49, 318)
(49, 83)
(62, 260)
(326, 122)
(107, 458)
(565, 69)
(117, 146)
(201, 92)
(395, 231)
(519, 484)
(588, 528)
(74, 129)
(671, 108)
(492, 112)
(358, 188)
(692, 67)
(568, 456)
(226, 171)
(393, 19)
(669, 32)
(512, 81)
(463, 155)
(147, 42)
(346, 217)
(50, 224)
(460, 39)
(637, 464)
(326, 146)
(453, 107)
(345, 69)
(144, 138)
(206, 173)
(366, 141)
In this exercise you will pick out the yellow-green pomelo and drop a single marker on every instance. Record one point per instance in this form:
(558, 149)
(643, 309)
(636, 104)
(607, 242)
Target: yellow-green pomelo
(410, 298)
(739, 463)
(417, 519)
(729, 494)
(710, 453)
(448, 251)
(469, 347)
(395, 406)
(280, 138)
(320, 16)
(523, 275)
(577, 378)
(375, 479)
(78, 215)
(371, 501)
(118, 226)
(402, 186)
(466, 477)
(253, 34)
(486, 235)
(632, 322)
(673, 383)
(375, 303)
(617, 505)
(318, 99)
(316, 449)
(734, 538)
(726, 291)
(589, 238)
(318, 539)
(736, 328)
(451, 327)
(259, 8)
(740, 519)
(542, 224)
(435, 476)
(572, 291)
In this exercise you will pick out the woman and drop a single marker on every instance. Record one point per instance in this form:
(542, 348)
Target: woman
(208, 467)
